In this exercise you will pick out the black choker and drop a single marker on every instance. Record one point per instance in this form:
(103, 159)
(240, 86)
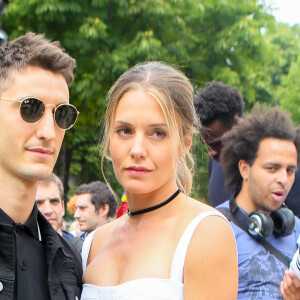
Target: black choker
(142, 211)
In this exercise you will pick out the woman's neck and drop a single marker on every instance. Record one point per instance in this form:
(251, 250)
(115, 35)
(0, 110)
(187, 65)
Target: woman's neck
(140, 202)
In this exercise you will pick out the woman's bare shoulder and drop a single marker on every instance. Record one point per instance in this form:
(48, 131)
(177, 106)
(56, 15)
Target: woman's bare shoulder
(212, 216)
(196, 207)
(102, 235)
(212, 245)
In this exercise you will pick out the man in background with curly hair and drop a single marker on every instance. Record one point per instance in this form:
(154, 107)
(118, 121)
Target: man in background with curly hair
(218, 107)
(259, 157)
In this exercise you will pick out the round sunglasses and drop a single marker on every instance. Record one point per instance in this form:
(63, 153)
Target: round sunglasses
(32, 110)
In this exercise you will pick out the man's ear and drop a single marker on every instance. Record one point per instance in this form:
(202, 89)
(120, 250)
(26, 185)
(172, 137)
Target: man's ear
(244, 168)
(63, 207)
(103, 210)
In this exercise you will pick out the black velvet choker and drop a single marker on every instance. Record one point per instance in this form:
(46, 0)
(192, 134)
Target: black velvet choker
(145, 210)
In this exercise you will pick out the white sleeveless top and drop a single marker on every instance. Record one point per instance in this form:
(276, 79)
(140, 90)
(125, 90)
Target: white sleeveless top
(146, 288)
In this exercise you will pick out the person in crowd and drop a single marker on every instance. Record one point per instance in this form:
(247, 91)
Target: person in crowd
(96, 205)
(75, 229)
(35, 75)
(218, 107)
(259, 158)
(71, 205)
(50, 202)
(168, 245)
(292, 200)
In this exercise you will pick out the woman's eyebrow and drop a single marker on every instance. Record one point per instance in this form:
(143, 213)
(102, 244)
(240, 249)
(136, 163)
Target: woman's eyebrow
(158, 124)
(122, 122)
(151, 125)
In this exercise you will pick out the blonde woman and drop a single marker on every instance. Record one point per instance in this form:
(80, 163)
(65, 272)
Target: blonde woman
(168, 245)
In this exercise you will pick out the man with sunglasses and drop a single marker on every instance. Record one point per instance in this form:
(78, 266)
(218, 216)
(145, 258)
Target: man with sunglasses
(35, 75)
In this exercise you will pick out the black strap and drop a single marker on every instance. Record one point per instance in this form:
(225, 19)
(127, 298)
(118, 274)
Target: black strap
(148, 209)
(227, 213)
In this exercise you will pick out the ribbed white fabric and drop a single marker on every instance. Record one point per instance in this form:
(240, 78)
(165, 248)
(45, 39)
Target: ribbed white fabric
(147, 288)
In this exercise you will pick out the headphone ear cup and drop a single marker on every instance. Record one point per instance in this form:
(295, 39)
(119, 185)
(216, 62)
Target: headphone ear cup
(284, 222)
(261, 224)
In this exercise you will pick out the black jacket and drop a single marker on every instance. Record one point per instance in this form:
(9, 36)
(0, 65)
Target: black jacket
(64, 264)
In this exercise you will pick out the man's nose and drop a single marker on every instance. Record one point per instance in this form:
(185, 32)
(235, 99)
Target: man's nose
(47, 208)
(76, 214)
(283, 177)
(46, 126)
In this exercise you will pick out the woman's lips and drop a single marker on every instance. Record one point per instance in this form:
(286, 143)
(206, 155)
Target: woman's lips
(137, 171)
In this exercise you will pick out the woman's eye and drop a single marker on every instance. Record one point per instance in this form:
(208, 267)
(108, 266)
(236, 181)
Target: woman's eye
(159, 134)
(123, 131)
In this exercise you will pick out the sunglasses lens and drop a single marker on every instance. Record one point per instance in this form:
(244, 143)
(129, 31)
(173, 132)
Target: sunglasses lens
(32, 110)
(65, 116)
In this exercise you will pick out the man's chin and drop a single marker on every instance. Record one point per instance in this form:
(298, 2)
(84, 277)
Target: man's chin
(82, 228)
(37, 173)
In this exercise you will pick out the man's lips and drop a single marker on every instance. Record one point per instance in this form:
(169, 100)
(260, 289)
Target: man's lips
(51, 220)
(137, 170)
(278, 195)
(41, 152)
(81, 222)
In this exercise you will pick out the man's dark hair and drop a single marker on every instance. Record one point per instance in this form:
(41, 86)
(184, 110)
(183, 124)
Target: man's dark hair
(101, 194)
(34, 50)
(243, 140)
(57, 181)
(218, 101)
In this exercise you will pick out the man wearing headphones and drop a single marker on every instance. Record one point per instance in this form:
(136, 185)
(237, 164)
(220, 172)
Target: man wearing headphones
(259, 158)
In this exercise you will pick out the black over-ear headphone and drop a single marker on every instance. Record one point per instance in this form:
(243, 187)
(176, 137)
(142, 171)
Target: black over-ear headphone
(259, 224)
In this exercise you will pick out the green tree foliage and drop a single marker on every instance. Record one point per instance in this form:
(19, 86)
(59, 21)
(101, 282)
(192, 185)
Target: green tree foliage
(212, 39)
(289, 92)
(282, 44)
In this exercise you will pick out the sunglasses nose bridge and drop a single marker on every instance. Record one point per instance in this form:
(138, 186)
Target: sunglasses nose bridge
(54, 107)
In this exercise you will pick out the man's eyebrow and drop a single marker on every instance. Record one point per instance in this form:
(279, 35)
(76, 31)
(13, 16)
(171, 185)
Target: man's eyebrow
(278, 165)
(40, 200)
(54, 199)
(270, 163)
(81, 206)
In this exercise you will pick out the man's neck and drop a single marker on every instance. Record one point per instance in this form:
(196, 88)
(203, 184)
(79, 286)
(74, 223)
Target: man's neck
(17, 197)
(243, 199)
